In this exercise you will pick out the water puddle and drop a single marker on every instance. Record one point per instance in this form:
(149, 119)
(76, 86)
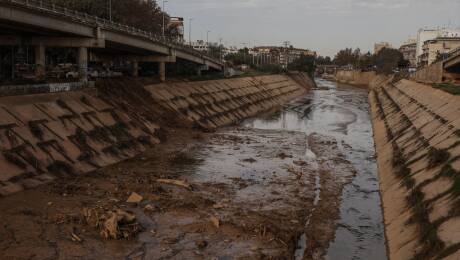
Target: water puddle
(340, 111)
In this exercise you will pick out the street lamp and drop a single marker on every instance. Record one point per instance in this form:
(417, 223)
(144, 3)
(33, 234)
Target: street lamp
(207, 41)
(220, 49)
(164, 1)
(190, 31)
(110, 10)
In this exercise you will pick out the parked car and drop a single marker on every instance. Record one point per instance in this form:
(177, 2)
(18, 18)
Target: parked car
(72, 75)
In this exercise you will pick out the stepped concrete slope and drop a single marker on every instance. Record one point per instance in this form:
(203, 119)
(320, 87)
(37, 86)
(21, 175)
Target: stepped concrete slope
(211, 104)
(45, 136)
(417, 137)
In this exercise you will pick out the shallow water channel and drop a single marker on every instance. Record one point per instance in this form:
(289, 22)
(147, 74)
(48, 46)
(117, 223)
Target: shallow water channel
(341, 111)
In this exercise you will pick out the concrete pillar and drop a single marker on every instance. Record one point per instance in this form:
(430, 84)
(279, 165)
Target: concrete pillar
(135, 68)
(198, 72)
(162, 71)
(82, 61)
(40, 60)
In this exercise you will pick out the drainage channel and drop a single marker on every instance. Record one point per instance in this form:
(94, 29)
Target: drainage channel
(342, 112)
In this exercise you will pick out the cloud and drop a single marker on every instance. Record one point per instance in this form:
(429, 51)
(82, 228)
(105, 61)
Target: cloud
(325, 25)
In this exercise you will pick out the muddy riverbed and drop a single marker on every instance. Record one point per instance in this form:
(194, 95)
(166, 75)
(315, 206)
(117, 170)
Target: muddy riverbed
(300, 183)
(341, 111)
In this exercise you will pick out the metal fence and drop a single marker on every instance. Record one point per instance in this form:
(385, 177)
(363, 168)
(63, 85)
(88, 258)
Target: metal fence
(91, 20)
(453, 53)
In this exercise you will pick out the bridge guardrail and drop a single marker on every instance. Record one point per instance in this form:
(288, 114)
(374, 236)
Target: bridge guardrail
(453, 53)
(44, 6)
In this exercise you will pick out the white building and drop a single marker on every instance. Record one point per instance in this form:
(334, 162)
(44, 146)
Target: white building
(430, 34)
(200, 45)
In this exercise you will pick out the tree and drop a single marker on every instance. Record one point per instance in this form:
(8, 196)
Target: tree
(142, 14)
(366, 61)
(303, 63)
(347, 57)
(323, 60)
(387, 60)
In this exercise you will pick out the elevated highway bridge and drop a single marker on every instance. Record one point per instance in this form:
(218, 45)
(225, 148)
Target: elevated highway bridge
(41, 24)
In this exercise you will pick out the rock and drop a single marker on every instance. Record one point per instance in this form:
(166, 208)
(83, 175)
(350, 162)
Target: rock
(250, 160)
(201, 244)
(149, 207)
(284, 156)
(134, 198)
(215, 221)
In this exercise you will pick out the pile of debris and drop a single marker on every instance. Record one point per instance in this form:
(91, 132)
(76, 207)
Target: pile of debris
(113, 224)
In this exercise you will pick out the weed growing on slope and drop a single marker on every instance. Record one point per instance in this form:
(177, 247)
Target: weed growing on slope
(13, 158)
(437, 157)
(36, 130)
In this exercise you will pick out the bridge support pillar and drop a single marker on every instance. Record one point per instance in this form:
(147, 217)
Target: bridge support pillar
(135, 68)
(82, 61)
(40, 61)
(162, 71)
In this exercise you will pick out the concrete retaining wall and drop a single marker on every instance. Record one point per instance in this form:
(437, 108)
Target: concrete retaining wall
(355, 77)
(12, 90)
(431, 74)
(417, 138)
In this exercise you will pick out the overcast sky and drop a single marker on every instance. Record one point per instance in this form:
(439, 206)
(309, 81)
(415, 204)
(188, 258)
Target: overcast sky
(325, 26)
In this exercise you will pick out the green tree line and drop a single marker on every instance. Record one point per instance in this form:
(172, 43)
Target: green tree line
(143, 14)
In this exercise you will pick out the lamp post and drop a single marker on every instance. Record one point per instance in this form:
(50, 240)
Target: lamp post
(164, 1)
(207, 41)
(220, 50)
(190, 31)
(110, 10)
(244, 52)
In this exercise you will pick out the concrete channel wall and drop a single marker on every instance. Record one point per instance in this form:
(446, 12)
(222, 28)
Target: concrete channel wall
(353, 77)
(417, 138)
(44, 136)
(215, 103)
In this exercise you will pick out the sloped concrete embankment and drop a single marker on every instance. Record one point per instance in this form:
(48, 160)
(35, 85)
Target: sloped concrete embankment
(45, 136)
(215, 103)
(48, 135)
(417, 136)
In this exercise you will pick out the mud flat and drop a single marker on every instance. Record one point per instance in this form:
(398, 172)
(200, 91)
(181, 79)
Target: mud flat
(416, 130)
(355, 229)
(245, 193)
